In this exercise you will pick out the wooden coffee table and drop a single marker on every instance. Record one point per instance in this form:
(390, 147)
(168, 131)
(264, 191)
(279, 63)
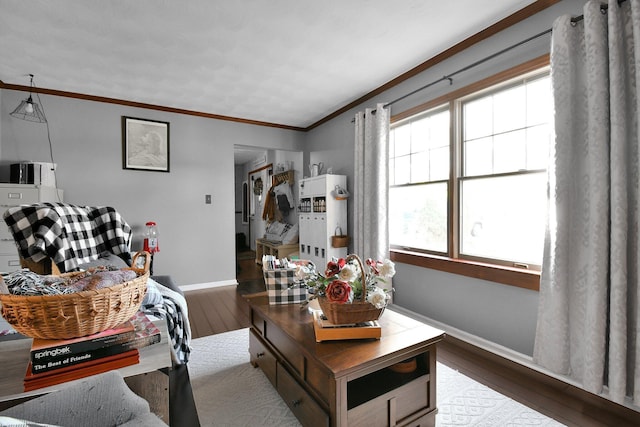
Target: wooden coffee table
(348, 382)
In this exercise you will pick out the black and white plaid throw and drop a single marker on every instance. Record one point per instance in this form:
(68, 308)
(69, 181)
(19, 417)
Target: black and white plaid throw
(179, 332)
(67, 234)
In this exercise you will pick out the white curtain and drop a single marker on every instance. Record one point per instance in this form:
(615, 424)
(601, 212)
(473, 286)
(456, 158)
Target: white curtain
(588, 313)
(371, 184)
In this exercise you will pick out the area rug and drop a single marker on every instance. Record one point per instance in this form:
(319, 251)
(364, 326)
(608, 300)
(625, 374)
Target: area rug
(229, 392)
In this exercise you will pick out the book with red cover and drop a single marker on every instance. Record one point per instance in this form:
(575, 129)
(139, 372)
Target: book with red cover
(35, 381)
(143, 333)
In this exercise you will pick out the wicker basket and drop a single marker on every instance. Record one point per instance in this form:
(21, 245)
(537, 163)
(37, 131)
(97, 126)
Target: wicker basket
(339, 240)
(357, 311)
(78, 314)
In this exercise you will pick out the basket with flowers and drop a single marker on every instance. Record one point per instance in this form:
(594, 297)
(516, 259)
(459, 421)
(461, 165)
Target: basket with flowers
(349, 292)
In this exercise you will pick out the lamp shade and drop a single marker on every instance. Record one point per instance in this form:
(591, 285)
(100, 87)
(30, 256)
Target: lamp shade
(30, 111)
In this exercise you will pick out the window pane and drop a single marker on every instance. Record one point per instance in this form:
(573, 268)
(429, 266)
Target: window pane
(515, 145)
(402, 140)
(402, 170)
(392, 143)
(420, 135)
(440, 130)
(539, 101)
(420, 167)
(478, 118)
(509, 109)
(504, 218)
(439, 163)
(420, 149)
(392, 171)
(538, 140)
(510, 152)
(478, 157)
(418, 216)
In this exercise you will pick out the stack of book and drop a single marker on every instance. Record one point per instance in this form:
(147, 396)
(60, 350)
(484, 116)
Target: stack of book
(57, 361)
(270, 262)
(326, 331)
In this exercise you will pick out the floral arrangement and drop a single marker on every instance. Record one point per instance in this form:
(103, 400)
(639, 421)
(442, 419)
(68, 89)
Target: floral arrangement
(344, 281)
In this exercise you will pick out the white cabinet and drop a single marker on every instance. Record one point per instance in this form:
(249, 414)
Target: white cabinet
(15, 195)
(320, 214)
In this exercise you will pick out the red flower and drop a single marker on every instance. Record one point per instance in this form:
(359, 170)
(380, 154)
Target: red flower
(338, 291)
(334, 268)
(374, 265)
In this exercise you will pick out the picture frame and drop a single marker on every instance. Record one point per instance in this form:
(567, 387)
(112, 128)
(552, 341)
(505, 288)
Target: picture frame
(145, 144)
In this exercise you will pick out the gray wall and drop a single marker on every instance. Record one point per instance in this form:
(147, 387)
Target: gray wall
(197, 240)
(503, 314)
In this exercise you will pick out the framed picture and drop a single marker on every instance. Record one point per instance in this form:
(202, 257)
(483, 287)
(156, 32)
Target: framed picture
(145, 144)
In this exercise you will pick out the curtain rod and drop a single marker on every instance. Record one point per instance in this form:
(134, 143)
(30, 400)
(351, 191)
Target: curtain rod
(603, 9)
(449, 77)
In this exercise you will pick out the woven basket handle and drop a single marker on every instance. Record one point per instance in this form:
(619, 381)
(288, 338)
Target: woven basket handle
(363, 295)
(147, 261)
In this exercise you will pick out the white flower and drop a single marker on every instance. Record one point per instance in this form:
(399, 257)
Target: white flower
(387, 269)
(377, 297)
(302, 272)
(348, 273)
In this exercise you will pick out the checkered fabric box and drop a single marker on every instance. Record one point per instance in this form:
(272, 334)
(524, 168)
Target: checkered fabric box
(279, 287)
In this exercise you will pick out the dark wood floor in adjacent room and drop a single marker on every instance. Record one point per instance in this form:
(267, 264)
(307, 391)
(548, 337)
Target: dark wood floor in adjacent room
(222, 309)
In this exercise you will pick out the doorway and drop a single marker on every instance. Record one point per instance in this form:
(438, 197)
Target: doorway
(244, 159)
(254, 167)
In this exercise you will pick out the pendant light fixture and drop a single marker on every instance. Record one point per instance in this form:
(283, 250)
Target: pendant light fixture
(29, 110)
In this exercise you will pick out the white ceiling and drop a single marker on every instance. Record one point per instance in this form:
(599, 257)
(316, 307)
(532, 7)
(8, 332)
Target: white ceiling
(287, 62)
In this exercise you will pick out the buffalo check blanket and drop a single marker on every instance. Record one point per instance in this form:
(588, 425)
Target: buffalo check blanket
(69, 235)
(174, 309)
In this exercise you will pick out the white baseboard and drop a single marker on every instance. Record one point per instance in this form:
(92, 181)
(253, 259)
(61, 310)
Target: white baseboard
(505, 352)
(198, 286)
(485, 344)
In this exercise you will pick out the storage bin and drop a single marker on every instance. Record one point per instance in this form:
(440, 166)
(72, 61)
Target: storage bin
(282, 287)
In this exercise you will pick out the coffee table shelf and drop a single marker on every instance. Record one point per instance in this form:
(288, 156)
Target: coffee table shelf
(367, 388)
(346, 382)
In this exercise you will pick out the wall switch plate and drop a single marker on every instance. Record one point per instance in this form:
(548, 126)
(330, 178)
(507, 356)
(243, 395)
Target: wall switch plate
(207, 199)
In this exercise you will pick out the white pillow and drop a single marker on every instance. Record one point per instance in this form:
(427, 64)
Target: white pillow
(276, 231)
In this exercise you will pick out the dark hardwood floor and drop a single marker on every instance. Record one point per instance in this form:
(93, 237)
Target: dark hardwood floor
(222, 309)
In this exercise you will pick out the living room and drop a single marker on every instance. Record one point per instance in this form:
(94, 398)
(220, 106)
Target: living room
(198, 239)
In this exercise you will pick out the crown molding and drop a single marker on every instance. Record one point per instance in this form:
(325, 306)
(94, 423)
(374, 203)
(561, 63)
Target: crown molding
(127, 103)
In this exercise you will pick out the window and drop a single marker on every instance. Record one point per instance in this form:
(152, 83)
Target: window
(468, 177)
(419, 173)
